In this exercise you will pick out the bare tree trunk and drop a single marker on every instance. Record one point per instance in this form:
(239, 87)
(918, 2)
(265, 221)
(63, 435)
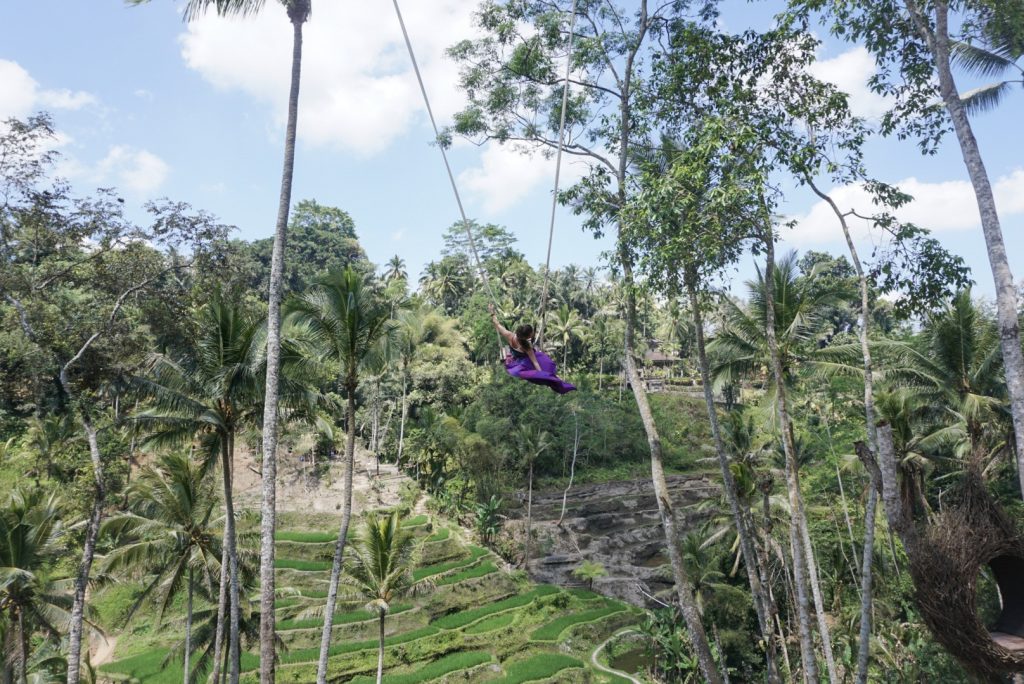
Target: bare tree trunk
(1006, 294)
(870, 420)
(92, 532)
(235, 613)
(572, 465)
(529, 520)
(792, 474)
(188, 630)
(747, 546)
(819, 602)
(222, 609)
(268, 506)
(339, 546)
(401, 424)
(22, 649)
(380, 650)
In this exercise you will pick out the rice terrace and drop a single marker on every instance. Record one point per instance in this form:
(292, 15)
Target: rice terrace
(522, 341)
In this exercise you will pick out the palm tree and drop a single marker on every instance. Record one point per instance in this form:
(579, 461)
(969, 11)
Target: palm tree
(395, 269)
(347, 321)
(31, 543)
(171, 536)
(564, 325)
(419, 327)
(531, 444)
(211, 396)
(1001, 54)
(379, 571)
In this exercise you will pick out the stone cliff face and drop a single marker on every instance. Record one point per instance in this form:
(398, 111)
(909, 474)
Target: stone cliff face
(614, 523)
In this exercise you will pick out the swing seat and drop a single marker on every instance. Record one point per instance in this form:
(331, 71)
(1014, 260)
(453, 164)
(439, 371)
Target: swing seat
(523, 369)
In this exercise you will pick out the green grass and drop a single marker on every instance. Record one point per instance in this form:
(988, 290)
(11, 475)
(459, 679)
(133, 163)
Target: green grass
(492, 623)
(475, 552)
(485, 568)
(416, 520)
(339, 618)
(463, 618)
(440, 535)
(540, 666)
(305, 537)
(552, 630)
(310, 655)
(450, 663)
(304, 565)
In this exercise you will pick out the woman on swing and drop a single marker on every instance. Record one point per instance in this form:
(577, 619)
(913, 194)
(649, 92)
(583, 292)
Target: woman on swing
(525, 360)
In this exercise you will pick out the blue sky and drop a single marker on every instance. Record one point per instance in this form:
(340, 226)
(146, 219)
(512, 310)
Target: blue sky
(196, 113)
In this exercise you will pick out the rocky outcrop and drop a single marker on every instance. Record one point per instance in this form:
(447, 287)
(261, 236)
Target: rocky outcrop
(616, 524)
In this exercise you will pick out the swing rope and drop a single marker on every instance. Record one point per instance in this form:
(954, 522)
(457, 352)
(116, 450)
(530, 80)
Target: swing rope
(558, 173)
(451, 176)
(444, 154)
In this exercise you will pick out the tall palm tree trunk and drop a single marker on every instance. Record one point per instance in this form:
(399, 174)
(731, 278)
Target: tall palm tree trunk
(529, 519)
(803, 608)
(819, 602)
(339, 546)
(222, 609)
(401, 423)
(762, 605)
(234, 615)
(188, 630)
(380, 649)
(864, 647)
(92, 532)
(1006, 294)
(268, 508)
(23, 649)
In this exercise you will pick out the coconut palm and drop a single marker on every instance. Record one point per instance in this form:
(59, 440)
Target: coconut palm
(379, 570)
(348, 323)
(298, 13)
(395, 270)
(530, 443)
(564, 325)
(998, 53)
(740, 349)
(169, 536)
(211, 396)
(31, 543)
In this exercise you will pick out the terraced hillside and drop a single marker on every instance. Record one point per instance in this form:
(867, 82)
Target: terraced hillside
(477, 622)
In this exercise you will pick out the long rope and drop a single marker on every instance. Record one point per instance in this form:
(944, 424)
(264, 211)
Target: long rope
(558, 172)
(444, 155)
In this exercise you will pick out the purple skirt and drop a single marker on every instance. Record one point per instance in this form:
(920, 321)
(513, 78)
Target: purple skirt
(523, 368)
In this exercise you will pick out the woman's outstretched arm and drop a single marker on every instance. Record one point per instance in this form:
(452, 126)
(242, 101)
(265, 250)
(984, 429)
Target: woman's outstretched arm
(502, 330)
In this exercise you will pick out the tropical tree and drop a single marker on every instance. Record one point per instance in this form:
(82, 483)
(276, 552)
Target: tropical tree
(210, 396)
(379, 570)
(348, 324)
(531, 443)
(564, 325)
(32, 541)
(168, 537)
(395, 270)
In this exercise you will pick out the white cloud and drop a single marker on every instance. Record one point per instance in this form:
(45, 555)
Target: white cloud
(21, 95)
(137, 171)
(144, 94)
(943, 207)
(506, 175)
(358, 90)
(850, 72)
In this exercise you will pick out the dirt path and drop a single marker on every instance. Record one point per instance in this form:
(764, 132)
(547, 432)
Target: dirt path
(103, 651)
(604, 668)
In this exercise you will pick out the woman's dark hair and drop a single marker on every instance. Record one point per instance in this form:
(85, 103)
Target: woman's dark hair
(524, 335)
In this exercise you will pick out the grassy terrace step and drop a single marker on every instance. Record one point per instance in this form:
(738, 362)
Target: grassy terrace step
(475, 553)
(304, 565)
(492, 623)
(440, 535)
(306, 537)
(339, 618)
(485, 568)
(552, 630)
(463, 618)
(450, 663)
(311, 654)
(540, 666)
